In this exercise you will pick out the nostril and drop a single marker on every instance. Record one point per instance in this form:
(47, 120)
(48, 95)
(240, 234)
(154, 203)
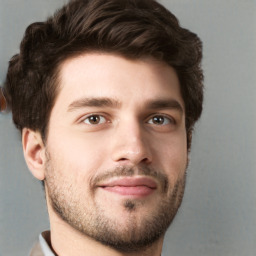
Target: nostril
(132, 151)
(145, 160)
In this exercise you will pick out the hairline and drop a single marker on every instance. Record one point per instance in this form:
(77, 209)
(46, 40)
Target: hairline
(56, 76)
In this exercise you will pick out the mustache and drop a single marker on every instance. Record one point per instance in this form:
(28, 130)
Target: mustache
(126, 171)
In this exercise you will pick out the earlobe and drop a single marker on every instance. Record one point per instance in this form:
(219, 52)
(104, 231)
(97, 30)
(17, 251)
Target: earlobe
(34, 152)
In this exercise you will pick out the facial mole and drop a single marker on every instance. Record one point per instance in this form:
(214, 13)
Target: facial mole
(129, 205)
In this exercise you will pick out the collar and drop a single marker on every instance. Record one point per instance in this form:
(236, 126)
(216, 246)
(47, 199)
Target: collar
(44, 240)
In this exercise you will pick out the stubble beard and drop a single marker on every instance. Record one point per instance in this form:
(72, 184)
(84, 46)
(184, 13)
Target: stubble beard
(92, 221)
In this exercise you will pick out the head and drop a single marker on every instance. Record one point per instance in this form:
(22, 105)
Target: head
(133, 29)
(126, 54)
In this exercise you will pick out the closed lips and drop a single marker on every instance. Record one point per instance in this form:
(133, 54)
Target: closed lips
(135, 187)
(131, 182)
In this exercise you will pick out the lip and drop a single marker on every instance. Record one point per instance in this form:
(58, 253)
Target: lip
(130, 186)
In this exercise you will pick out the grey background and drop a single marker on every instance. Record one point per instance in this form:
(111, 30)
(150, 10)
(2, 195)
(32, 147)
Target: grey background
(218, 215)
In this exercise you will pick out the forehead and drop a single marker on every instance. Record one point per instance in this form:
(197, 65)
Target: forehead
(107, 75)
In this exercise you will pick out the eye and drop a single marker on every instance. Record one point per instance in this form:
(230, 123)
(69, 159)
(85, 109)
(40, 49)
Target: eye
(161, 120)
(95, 119)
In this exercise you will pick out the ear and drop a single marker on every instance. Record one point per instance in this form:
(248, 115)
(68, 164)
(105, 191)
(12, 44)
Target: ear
(34, 152)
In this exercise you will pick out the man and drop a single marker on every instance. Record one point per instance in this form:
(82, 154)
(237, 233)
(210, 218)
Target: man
(106, 94)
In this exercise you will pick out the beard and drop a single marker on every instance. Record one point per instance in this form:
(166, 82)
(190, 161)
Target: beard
(85, 214)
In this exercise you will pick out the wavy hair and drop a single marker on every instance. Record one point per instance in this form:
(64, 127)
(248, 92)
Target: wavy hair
(130, 28)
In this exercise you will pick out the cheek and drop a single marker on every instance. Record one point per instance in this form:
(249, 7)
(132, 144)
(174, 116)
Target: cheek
(75, 156)
(174, 157)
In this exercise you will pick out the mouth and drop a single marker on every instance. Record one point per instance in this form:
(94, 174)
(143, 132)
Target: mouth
(130, 186)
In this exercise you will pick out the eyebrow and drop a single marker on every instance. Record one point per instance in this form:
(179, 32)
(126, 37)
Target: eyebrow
(113, 103)
(165, 104)
(94, 102)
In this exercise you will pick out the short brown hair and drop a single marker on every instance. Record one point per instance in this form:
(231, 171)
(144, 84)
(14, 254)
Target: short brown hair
(130, 28)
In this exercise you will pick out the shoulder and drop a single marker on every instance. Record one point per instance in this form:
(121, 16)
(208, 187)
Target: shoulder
(36, 250)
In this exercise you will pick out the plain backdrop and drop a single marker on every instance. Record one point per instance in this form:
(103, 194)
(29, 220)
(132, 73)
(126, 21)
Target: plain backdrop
(218, 214)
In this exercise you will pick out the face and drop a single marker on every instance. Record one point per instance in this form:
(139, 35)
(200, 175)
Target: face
(116, 149)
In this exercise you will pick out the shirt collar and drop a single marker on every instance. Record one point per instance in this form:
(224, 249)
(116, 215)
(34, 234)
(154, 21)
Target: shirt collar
(44, 239)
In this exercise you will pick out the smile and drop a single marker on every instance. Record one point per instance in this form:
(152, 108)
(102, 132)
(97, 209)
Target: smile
(130, 186)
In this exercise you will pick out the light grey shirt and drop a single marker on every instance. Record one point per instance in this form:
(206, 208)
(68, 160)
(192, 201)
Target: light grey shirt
(44, 245)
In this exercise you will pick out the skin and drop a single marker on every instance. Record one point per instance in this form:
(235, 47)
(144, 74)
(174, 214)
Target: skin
(82, 151)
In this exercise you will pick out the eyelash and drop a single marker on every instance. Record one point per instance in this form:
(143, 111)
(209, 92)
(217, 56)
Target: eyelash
(91, 116)
(167, 118)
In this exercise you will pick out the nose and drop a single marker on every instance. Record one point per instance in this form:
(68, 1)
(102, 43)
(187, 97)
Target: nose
(130, 144)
